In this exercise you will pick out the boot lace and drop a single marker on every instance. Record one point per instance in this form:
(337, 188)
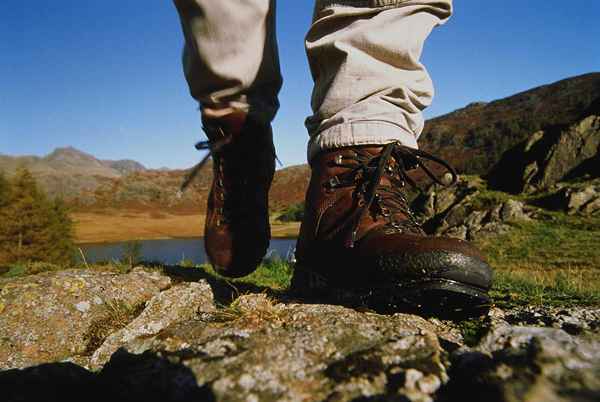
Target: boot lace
(216, 146)
(365, 172)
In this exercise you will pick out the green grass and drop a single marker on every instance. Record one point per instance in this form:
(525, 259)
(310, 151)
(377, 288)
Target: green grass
(273, 273)
(552, 261)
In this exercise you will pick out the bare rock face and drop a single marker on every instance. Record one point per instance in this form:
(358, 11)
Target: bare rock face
(548, 157)
(58, 315)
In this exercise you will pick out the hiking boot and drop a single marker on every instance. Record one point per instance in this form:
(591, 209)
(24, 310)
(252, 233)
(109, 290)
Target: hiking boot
(237, 230)
(359, 239)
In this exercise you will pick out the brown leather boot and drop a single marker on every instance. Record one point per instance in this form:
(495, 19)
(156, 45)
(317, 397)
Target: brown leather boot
(237, 230)
(360, 238)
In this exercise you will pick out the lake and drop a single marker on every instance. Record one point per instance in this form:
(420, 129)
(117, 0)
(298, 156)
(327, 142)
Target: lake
(173, 251)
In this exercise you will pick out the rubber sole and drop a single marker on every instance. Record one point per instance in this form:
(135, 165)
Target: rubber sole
(442, 298)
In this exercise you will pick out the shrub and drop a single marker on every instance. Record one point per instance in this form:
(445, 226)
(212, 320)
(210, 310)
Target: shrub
(293, 213)
(132, 253)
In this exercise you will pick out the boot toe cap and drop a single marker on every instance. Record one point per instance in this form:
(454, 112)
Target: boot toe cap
(421, 258)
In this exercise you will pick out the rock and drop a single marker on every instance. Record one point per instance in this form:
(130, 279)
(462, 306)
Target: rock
(574, 198)
(57, 315)
(180, 348)
(459, 232)
(592, 207)
(439, 199)
(579, 198)
(304, 352)
(548, 157)
(179, 303)
(463, 221)
(475, 219)
(516, 361)
(512, 211)
(463, 211)
(490, 229)
(531, 364)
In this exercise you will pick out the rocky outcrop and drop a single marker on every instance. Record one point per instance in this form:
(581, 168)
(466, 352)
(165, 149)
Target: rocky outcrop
(463, 211)
(574, 198)
(550, 156)
(180, 347)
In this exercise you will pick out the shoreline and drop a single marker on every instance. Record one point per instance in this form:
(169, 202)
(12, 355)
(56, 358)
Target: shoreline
(116, 226)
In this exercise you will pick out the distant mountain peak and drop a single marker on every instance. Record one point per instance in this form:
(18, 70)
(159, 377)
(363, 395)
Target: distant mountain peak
(125, 166)
(68, 153)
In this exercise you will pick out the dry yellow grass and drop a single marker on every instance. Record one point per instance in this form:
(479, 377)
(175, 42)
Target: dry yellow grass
(117, 225)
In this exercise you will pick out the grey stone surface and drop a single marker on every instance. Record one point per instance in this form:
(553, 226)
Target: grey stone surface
(179, 303)
(180, 347)
(58, 315)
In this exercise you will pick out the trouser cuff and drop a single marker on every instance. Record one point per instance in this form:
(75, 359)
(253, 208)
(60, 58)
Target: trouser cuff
(258, 109)
(359, 133)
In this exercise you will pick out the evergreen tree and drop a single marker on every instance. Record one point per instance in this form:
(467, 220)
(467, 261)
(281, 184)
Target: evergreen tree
(61, 247)
(5, 193)
(34, 228)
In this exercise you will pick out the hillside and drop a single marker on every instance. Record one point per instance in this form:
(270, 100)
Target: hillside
(474, 138)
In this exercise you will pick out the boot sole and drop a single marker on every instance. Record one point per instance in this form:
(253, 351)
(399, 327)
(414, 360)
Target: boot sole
(443, 298)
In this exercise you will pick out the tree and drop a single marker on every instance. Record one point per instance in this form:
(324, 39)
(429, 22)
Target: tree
(61, 244)
(5, 192)
(33, 227)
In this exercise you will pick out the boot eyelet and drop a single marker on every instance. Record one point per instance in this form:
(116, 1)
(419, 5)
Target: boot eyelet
(332, 183)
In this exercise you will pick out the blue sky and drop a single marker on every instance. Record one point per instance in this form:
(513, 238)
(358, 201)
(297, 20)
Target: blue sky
(105, 76)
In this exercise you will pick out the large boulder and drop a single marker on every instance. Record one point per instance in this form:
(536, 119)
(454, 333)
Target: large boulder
(550, 156)
(180, 347)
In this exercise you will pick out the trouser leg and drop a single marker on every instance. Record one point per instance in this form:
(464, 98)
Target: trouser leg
(230, 56)
(370, 86)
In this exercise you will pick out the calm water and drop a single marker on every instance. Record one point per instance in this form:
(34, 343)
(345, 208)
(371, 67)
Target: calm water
(173, 251)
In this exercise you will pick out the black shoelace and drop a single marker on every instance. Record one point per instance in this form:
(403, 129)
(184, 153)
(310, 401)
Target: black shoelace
(214, 148)
(366, 171)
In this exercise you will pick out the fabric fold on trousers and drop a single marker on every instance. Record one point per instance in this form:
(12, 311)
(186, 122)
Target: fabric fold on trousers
(230, 56)
(370, 86)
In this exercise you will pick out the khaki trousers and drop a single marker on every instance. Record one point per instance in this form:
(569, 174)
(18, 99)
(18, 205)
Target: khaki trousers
(369, 84)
